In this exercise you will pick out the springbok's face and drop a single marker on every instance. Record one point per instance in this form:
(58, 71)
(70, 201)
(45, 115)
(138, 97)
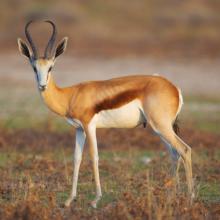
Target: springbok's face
(42, 66)
(42, 69)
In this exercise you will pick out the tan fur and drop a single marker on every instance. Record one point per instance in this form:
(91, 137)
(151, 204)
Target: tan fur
(77, 102)
(42, 61)
(57, 99)
(121, 102)
(158, 102)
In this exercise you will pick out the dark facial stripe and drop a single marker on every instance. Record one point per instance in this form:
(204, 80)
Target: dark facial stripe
(47, 76)
(37, 77)
(50, 69)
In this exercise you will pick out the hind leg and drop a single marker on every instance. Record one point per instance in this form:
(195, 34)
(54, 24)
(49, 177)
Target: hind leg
(177, 162)
(165, 130)
(175, 157)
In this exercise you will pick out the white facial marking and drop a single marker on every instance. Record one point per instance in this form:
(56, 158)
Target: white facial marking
(127, 116)
(42, 68)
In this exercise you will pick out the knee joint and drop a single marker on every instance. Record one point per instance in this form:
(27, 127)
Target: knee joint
(77, 159)
(188, 150)
(96, 158)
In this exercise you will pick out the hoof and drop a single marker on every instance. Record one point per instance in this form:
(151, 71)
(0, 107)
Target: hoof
(68, 202)
(192, 197)
(94, 204)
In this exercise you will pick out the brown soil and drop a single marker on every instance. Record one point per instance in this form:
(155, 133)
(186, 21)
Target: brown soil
(29, 185)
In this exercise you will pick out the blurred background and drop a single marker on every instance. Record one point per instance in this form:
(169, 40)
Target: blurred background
(110, 28)
(177, 39)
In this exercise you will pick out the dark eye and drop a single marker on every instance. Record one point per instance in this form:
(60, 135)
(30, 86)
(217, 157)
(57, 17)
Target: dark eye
(35, 69)
(50, 69)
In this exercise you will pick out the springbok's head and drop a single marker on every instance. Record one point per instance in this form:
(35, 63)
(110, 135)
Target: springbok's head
(42, 66)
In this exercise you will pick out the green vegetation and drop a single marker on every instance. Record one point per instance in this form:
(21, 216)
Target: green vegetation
(36, 171)
(115, 168)
(209, 192)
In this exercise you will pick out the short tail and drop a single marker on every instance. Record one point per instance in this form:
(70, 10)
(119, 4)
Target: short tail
(176, 122)
(176, 126)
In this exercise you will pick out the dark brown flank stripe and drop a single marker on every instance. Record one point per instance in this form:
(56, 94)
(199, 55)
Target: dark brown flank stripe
(117, 101)
(92, 97)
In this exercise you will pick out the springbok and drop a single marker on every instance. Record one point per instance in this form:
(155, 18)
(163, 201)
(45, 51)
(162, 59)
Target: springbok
(124, 102)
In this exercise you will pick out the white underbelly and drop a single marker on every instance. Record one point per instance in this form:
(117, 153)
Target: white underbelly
(127, 116)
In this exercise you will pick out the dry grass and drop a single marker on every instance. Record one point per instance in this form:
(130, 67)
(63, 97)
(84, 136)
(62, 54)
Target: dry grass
(36, 170)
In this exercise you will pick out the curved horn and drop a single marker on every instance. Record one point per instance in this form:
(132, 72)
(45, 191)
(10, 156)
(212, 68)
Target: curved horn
(29, 38)
(51, 41)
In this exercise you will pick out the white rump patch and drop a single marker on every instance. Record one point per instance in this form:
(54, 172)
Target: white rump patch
(156, 74)
(180, 102)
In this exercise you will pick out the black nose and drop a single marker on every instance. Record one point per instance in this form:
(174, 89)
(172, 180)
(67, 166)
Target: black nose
(42, 88)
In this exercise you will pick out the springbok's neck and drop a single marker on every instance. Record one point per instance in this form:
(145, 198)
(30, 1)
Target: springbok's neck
(56, 99)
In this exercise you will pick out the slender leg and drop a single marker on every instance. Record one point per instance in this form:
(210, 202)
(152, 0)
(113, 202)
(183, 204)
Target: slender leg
(80, 141)
(182, 148)
(176, 164)
(91, 134)
(187, 162)
(176, 160)
(177, 171)
(185, 152)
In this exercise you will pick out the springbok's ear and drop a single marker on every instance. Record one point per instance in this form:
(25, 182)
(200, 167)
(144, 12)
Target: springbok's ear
(61, 47)
(23, 48)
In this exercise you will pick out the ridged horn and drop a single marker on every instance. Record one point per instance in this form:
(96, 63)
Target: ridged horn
(51, 41)
(30, 40)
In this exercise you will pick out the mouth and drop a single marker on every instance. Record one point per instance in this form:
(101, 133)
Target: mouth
(42, 88)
